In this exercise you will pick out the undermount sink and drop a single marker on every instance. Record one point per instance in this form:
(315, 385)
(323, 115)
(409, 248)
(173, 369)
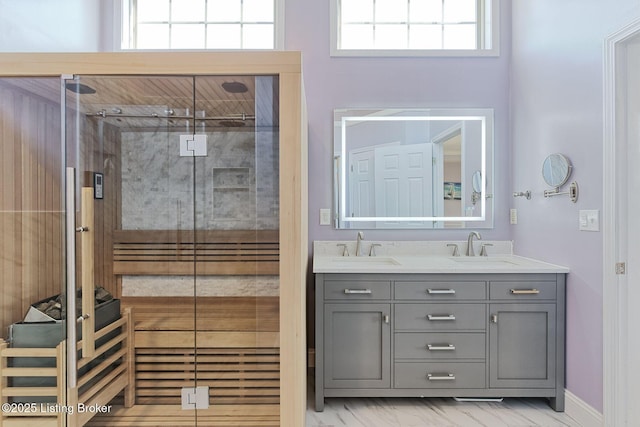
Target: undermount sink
(373, 260)
(483, 260)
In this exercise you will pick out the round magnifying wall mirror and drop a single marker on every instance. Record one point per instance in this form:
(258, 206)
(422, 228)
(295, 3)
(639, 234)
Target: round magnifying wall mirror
(556, 170)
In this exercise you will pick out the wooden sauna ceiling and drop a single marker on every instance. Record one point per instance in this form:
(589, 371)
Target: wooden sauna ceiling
(165, 96)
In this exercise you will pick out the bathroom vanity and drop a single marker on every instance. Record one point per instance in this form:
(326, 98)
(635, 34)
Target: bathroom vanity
(439, 326)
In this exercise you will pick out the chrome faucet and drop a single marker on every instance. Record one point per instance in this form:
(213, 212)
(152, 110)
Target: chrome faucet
(359, 239)
(473, 234)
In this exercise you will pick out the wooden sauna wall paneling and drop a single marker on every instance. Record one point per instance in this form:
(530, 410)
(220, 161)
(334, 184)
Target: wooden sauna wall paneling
(32, 261)
(31, 218)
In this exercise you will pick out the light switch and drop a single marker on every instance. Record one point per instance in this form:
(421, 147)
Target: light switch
(513, 216)
(589, 220)
(325, 216)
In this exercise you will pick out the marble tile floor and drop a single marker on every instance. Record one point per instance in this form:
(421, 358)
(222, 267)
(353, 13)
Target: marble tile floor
(433, 412)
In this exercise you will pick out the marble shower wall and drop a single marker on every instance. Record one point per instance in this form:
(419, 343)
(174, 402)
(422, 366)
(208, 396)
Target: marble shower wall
(236, 184)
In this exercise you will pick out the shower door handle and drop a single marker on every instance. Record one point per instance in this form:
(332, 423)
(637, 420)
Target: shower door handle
(70, 227)
(87, 262)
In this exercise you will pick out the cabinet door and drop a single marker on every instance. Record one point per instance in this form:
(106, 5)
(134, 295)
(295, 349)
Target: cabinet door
(522, 348)
(357, 346)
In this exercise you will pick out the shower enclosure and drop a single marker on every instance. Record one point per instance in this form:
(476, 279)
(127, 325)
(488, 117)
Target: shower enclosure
(177, 192)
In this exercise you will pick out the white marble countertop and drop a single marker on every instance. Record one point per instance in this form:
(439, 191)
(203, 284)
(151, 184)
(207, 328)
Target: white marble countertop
(425, 257)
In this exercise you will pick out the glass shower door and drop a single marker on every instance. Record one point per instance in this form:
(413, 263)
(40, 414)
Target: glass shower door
(237, 248)
(129, 152)
(181, 173)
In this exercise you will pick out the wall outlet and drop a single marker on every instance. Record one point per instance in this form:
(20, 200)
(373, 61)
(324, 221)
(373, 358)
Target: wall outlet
(325, 216)
(513, 216)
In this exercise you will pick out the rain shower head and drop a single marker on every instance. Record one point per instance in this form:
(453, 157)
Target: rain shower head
(234, 87)
(80, 88)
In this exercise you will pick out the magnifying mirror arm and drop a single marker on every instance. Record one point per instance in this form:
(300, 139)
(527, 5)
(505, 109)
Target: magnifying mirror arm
(550, 193)
(572, 192)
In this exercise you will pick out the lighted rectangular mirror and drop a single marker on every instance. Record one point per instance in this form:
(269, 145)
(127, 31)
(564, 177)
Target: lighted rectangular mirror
(413, 168)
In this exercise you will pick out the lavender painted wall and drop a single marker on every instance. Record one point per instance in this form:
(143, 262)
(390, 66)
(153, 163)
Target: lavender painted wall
(52, 25)
(393, 82)
(556, 85)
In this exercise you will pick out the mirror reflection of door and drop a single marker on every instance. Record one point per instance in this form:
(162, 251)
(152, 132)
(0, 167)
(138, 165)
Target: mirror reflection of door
(361, 180)
(362, 188)
(403, 176)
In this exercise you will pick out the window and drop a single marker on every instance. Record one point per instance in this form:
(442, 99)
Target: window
(414, 27)
(201, 24)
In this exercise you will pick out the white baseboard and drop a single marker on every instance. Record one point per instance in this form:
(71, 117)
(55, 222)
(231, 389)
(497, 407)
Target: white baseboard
(582, 412)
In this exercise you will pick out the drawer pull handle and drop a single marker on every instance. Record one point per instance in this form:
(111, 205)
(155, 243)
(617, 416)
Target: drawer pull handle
(441, 377)
(357, 291)
(525, 291)
(447, 347)
(441, 291)
(433, 317)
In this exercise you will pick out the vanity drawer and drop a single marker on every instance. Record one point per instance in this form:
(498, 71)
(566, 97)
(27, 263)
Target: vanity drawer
(436, 317)
(530, 290)
(440, 291)
(439, 375)
(440, 345)
(356, 290)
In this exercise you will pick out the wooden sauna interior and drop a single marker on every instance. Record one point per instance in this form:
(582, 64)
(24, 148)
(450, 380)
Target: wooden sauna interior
(228, 342)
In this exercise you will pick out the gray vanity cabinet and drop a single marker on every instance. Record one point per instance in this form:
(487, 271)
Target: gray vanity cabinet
(357, 346)
(440, 335)
(522, 345)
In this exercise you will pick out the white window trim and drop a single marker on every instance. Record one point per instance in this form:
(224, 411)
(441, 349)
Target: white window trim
(119, 25)
(116, 36)
(493, 27)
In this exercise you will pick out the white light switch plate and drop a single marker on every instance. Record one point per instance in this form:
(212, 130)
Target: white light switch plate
(589, 220)
(513, 216)
(325, 216)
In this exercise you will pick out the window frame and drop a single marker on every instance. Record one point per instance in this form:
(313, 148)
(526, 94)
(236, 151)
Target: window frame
(123, 31)
(489, 32)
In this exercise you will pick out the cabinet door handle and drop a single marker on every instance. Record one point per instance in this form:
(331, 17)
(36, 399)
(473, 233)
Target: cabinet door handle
(441, 347)
(385, 318)
(357, 291)
(433, 317)
(441, 377)
(494, 318)
(441, 291)
(525, 291)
